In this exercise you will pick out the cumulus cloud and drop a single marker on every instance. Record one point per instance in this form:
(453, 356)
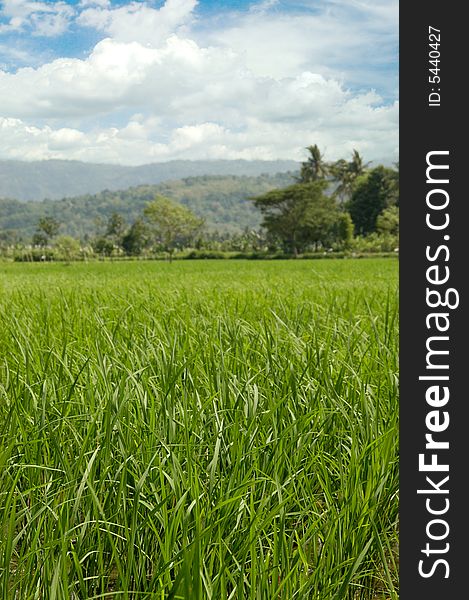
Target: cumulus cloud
(46, 19)
(27, 142)
(159, 86)
(116, 74)
(137, 21)
(351, 124)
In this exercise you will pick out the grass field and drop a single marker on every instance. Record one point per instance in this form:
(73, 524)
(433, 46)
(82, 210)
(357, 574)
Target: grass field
(201, 430)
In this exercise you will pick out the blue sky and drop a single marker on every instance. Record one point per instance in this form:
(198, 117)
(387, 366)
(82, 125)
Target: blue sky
(138, 82)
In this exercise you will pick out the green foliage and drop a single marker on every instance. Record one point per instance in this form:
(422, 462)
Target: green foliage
(373, 192)
(46, 229)
(103, 246)
(342, 231)
(301, 216)
(206, 254)
(388, 221)
(222, 201)
(9, 237)
(136, 238)
(49, 226)
(295, 218)
(213, 429)
(346, 173)
(375, 243)
(67, 248)
(171, 224)
(40, 239)
(314, 168)
(29, 254)
(116, 227)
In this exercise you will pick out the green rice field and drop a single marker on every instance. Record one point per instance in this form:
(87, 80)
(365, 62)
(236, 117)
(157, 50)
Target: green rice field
(202, 430)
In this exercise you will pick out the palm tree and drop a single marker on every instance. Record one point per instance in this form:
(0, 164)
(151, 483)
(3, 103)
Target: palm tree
(314, 168)
(357, 166)
(346, 173)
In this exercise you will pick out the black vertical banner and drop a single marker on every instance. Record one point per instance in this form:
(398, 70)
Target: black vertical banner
(434, 415)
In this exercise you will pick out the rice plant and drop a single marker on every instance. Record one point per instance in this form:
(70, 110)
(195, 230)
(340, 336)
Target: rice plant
(212, 430)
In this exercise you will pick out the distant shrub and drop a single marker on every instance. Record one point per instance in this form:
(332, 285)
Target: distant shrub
(204, 254)
(375, 242)
(321, 255)
(34, 255)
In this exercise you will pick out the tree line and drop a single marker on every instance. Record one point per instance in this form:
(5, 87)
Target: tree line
(331, 206)
(361, 201)
(221, 200)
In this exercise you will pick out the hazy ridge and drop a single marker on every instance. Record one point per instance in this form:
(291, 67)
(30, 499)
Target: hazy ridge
(223, 201)
(55, 179)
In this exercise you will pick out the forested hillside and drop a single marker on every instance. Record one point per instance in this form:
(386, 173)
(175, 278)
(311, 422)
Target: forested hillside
(223, 201)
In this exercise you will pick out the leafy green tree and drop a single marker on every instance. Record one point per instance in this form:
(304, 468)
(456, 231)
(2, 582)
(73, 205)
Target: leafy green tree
(103, 246)
(115, 228)
(342, 231)
(300, 216)
(314, 168)
(372, 193)
(9, 237)
(136, 238)
(49, 226)
(40, 239)
(388, 221)
(171, 224)
(46, 229)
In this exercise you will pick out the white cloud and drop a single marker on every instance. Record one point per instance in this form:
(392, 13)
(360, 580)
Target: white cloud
(263, 6)
(139, 22)
(352, 124)
(42, 18)
(352, 47)
(101, 3)
(160, 86)
(179, 78)
(10, 53)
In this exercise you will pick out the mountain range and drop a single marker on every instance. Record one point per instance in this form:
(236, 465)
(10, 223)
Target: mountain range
(56, 179)
(223, 201)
